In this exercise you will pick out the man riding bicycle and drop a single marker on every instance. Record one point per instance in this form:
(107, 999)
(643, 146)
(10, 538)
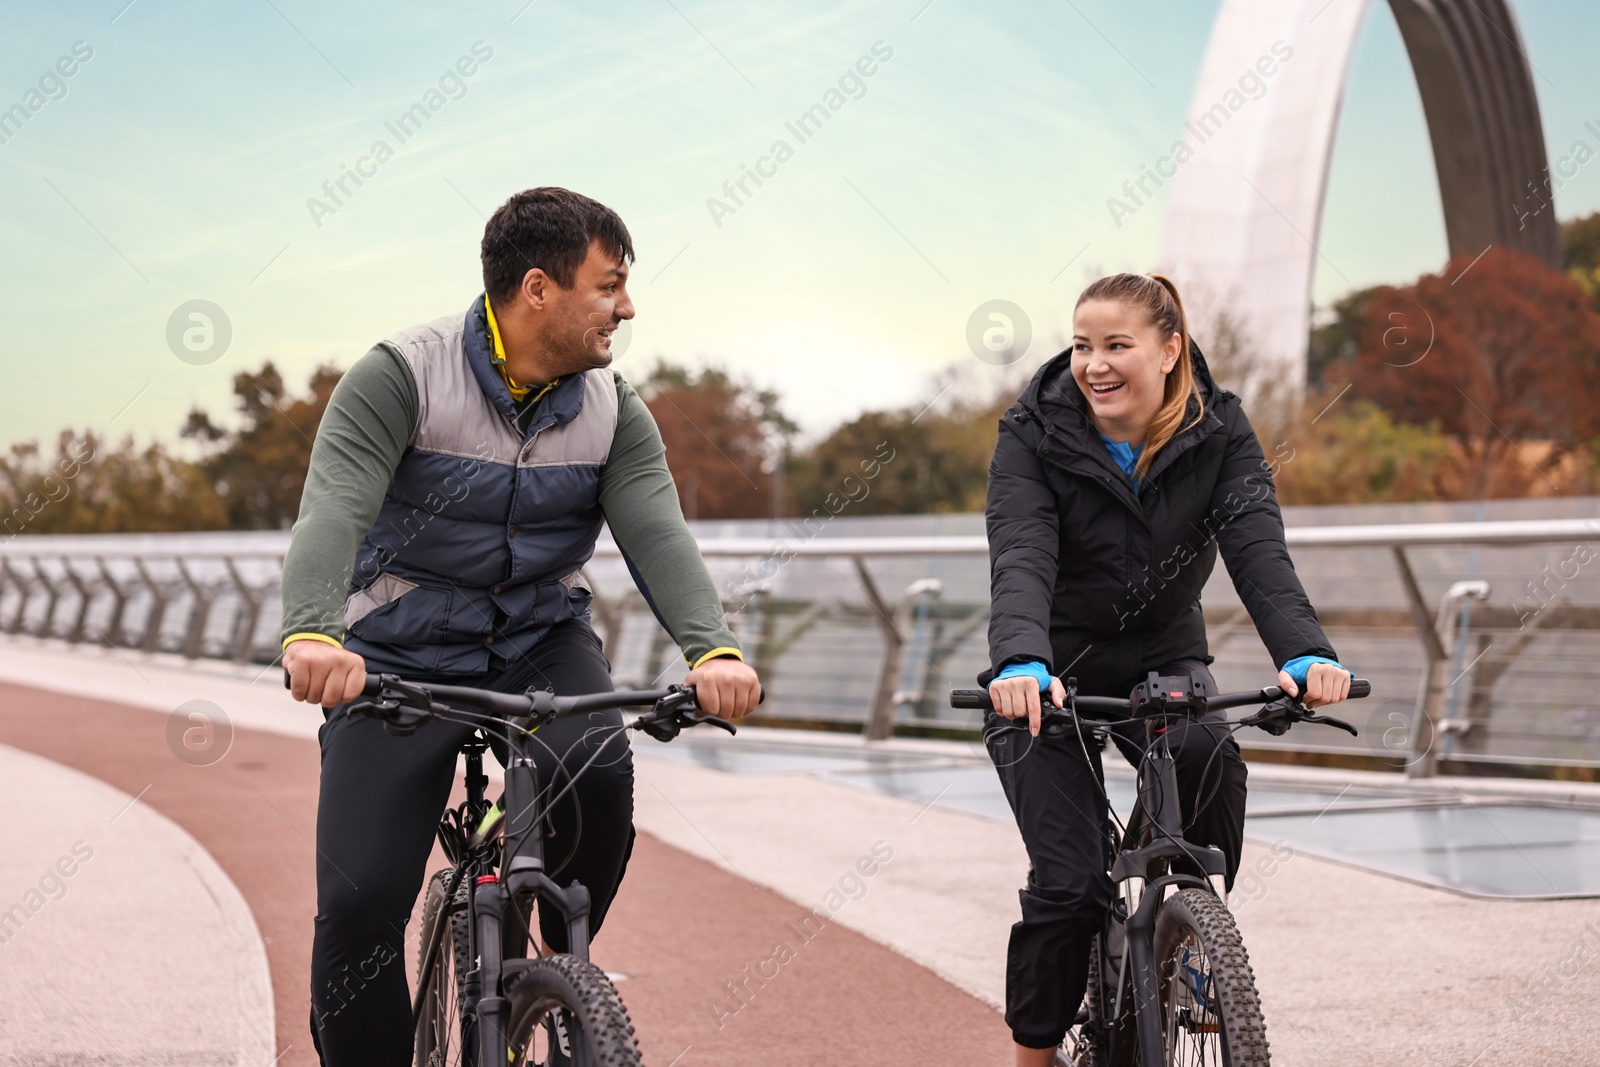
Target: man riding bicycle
(457, 486)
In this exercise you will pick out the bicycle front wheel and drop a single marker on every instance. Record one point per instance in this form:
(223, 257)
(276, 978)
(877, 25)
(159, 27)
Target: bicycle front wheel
(566, 1013)
(442, 1039)
(1210, 1011)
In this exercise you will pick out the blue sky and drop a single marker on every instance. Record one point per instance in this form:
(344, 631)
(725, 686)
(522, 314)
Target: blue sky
(973, 164)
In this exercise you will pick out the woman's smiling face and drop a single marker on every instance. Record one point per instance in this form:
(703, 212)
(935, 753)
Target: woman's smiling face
(1121, 363)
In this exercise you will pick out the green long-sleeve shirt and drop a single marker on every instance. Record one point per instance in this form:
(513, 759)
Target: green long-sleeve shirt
(364, 434)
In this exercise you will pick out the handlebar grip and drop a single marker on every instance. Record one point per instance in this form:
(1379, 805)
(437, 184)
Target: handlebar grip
(1360, 687)
(970, 699)
(370, 689)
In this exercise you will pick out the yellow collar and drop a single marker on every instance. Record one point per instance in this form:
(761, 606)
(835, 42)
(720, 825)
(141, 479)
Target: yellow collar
(519, 393)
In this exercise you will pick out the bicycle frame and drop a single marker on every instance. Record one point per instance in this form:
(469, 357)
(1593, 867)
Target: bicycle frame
(1162, 810)
(500, 905)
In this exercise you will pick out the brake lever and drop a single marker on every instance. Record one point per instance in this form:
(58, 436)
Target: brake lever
(400, 720)
(1276, 718)
(676, 711)
(401, 706)
(695, 717)
(1329, 720)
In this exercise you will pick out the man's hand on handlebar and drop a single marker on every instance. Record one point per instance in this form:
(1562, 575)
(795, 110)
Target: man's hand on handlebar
(1018, 698)
(725, 687)
(320, 673)
(1325, 684)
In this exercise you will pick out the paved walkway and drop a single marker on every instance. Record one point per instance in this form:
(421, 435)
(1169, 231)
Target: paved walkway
(1355, 968)
(121, 940)
(711, 927)
(707, 982)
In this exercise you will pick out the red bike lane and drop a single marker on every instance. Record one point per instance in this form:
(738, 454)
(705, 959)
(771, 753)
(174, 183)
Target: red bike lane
(719, 972)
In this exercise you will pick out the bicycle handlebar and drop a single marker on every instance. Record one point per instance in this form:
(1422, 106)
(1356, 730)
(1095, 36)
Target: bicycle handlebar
(1278, 714)
(978, 699)
(404, 705)
(534, 702)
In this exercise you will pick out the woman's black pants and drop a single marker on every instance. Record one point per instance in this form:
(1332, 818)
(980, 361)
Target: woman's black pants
(1056, 793)
(381, 800)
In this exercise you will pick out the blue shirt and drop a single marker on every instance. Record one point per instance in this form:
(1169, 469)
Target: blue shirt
(1125, 455)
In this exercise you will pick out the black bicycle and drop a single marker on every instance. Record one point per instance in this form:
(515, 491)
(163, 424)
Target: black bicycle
(1169, 978)
(486, 993)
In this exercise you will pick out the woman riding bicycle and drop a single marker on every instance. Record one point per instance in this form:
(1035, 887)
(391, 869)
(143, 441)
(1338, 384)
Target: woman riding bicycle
(1117, 476)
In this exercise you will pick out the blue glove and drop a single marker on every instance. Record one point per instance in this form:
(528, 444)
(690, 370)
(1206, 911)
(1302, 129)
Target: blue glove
(1298, 668)
(1034, 670)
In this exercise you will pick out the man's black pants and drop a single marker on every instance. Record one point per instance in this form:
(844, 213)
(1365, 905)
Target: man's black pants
(1055, 793)
(381, 801)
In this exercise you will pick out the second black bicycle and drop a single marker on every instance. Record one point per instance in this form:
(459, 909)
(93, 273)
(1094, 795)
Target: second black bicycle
(1170, 983)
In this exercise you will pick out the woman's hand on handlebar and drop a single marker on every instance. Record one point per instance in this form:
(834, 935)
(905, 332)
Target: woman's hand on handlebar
(1325, 684)
(726, 687)
(320, 673)
(1018, 698)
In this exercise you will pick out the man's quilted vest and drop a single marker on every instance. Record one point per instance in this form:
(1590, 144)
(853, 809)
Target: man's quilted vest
(477, 549)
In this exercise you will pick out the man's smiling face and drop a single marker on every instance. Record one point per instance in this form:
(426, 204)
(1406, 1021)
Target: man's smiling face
(586, 316)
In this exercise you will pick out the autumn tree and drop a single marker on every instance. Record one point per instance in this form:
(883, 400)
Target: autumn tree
(259, 467)
(1494, 352)
(726, 441)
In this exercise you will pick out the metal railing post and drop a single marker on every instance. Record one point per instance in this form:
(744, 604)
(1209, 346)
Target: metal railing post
(24, 591)
(157, 615)
(48, 622)
(880, 716)
(119, 603)
(85, 594)
(202, 597)
(1446, 626)
(249, 615)
(1422, 763)
(909, 600)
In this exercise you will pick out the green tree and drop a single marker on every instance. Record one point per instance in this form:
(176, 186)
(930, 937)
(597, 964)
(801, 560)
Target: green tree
(1580, 253)
(1358, 454)
(1335, 341)
(941, 455)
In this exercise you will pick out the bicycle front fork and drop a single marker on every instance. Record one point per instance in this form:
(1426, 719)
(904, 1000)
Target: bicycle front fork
(489, 899)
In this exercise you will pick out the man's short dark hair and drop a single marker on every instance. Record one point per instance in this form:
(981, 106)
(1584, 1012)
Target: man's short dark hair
(551, 229)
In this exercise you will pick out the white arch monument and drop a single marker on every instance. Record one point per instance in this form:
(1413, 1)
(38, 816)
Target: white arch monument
(1245, 209)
